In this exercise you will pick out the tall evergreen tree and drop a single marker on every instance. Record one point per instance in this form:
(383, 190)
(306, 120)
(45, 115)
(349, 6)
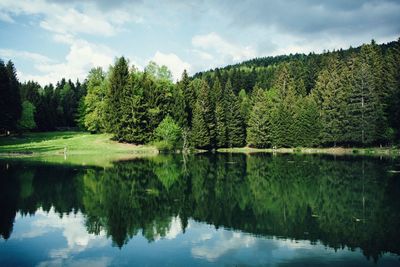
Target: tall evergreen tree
(365, 111)
(282, 119)
(118, 81)
(204, 119)
(329, 96)
(234, 121)
(200, 133)
(259, 125)
(221, 106)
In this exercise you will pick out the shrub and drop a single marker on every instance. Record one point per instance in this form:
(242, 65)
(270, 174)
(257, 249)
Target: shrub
(167, 134)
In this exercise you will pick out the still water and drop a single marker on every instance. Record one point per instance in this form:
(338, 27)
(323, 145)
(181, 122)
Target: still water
(203, 210)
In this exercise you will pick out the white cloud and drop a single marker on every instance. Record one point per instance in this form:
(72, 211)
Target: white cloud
(73, 21)
(173, 62)
(69, 18)
(215, 43)
(97, 262)
(81, 57)
(175, 228)
(6, 17)
(11, 54)
(72, 227)
(225, 242)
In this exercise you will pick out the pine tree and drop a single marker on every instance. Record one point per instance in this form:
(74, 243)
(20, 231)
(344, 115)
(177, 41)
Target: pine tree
(306, 123)
(328, 94)
(364, 108)
(10, 105)
(282, 119)
(259, 125)
(244, 105)
(118, 81)
(220, 114)
(136, 118)
(200, 133)
(392, 83)
(205, 117)
(234, 121)
(5, 118)
(184, 100)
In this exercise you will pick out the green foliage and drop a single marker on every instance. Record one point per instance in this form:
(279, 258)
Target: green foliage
(200, 133)
(169, 132)
(27, 121)
(118, 81)
(94, 104)
(346, 97)
(204, 125)
(329, 94)
(10, 101)
(259, 125)
(158, 72)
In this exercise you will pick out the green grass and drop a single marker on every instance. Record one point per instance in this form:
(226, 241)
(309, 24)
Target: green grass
(81, 147)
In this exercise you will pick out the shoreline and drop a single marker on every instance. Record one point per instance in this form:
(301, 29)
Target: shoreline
(336, 151)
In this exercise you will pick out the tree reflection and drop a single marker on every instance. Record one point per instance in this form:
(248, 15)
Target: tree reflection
(341, 202)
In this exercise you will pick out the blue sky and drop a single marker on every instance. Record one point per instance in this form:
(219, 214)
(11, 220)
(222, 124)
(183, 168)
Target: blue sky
(51, 39)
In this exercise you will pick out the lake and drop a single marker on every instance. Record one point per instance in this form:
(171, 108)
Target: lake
(202, 210)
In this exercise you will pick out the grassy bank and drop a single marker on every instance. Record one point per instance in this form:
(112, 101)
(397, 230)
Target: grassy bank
(377, 151)
(70, 147)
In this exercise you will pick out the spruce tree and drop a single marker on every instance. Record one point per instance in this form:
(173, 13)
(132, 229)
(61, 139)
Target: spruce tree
(220, 114)
(259, 124)
(204, 118)
(282, 119)
(328, 94)
(136, 118)
(5, 118)
(364, 108)
(306, 123)
(234, 121)
(184, 100)
(9, 93)
(200, 133)
(118, 81)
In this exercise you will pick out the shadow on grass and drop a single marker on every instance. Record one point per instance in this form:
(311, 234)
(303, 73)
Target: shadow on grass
(36, 137)
(29, 150)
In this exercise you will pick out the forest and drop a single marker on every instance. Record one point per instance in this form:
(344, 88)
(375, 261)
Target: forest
(339, 98)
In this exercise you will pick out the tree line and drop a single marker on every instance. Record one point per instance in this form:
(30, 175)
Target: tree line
(346, 97)
(28, 106)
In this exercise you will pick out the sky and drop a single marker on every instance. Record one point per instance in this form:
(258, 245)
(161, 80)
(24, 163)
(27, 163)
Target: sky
(51, 39)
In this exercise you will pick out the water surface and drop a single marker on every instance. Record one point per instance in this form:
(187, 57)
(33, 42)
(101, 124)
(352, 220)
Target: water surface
(204, 210)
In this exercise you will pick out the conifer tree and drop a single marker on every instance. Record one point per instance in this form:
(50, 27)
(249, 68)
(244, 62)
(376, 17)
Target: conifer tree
(136, 115)
(10, 105)
(204, 118)
(118, 81)
(306, 123)
(328, 95)
(200, 132)
(234, 120)
(364, 109)
(183, 100)
(259, 125)
(282, 119)
(221, 106)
